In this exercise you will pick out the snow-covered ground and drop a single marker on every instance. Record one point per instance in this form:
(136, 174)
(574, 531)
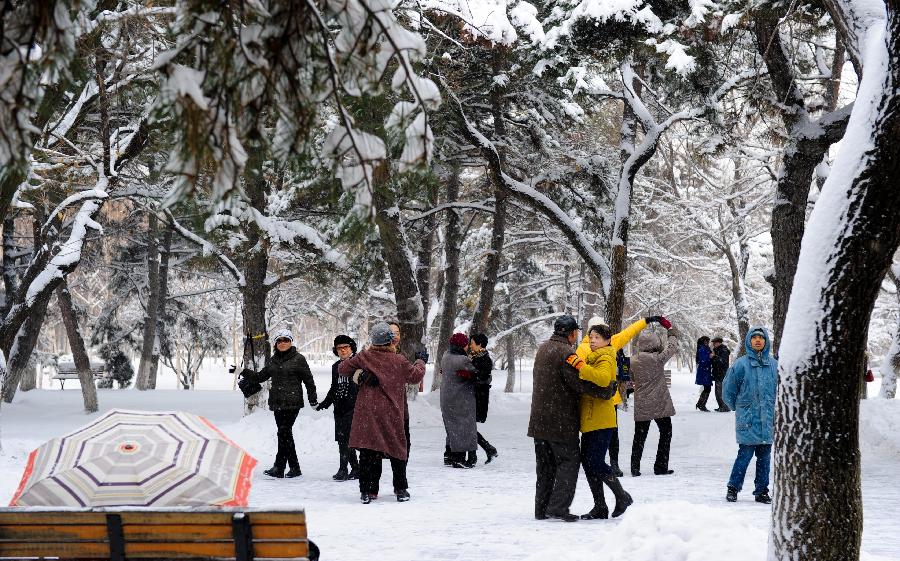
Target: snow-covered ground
(487, 512)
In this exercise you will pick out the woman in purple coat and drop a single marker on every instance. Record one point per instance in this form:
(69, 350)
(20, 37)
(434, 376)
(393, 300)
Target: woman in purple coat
(704, 371)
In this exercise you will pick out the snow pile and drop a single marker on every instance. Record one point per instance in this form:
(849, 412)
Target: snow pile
(671, 531)
(879, 428)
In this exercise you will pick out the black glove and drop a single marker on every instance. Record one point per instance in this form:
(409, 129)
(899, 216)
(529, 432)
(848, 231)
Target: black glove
(245, 373)
(367, 378)
(321, 406)
(422, 355)
(314, 404)
(660, 320)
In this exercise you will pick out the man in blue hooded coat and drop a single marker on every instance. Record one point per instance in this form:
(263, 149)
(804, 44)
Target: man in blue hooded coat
(750, 391)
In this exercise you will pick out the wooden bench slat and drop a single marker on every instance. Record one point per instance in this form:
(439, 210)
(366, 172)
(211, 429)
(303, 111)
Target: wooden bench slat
(182, 550)
(8, 518)
(192, 532)
(43, 532)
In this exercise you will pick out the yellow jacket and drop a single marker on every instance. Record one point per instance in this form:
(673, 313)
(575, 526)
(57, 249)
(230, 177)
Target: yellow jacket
(600, 368)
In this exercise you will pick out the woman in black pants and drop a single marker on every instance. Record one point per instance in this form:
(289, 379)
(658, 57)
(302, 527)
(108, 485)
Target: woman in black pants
(287, 369)
(343, 395)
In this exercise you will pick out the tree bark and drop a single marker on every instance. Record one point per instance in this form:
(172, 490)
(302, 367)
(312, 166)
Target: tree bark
(23, 347)
(510, 350)
(395, 249)
(10, 248)
(79, 352)
(253, 312)
(151, 313)
(161, 317)
(808, 143)
(451, 276)
(426, 248)
(485, 306)
(849, 245)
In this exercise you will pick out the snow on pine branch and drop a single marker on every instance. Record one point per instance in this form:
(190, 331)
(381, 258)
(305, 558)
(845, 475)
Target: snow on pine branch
(69, 254)
(207, 247)
(288, 231)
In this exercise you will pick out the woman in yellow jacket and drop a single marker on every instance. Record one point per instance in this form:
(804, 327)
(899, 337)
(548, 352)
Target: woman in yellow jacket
(598, 416)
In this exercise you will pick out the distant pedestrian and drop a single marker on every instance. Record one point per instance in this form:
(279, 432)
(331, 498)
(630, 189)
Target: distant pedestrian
(750, 390)
(704, 371)
(554, 421)
(288, 371)
(483, 378)
(652, 400)
(377, 430)
(458, 402)
(342, 395)
(720, 363)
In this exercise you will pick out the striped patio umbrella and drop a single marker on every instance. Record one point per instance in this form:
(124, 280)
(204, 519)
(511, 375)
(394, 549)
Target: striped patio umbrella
(138, 458)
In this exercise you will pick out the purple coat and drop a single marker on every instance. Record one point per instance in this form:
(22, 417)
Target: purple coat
(378, 415)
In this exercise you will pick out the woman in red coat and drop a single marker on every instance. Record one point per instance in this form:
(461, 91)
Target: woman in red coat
(377, 430)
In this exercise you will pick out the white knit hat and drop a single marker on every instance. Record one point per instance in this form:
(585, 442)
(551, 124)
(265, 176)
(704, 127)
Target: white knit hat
(283, 334)
(596, 320)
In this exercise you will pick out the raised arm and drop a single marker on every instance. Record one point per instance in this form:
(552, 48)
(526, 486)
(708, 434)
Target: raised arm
(621, 338)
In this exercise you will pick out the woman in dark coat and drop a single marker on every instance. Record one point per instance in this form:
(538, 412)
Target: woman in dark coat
(377, 430)
(458, 402)
(342, 395)
(704, 371)
(288, 371)
(482, 361)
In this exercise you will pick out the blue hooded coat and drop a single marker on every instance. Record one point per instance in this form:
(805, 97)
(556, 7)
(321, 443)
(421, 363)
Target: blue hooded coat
(750, 391)
(704, 366)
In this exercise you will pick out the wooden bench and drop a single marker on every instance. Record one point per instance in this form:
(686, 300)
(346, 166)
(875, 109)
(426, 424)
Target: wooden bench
(243, 534)
(67, 371)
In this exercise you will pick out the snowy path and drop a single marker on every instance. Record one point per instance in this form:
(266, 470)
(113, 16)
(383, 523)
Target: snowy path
(487, 513)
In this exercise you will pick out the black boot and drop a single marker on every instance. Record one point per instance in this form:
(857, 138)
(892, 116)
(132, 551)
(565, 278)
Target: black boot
(448, 461)
(623, 499)
(764, 498)
(402, 495)
(616, 470)
(489, 450)
(731, 495)
(275, 471)
(471, 458)
(564, 516)
(458, 460)
(341, 475)
(294, 472)
(600, 510)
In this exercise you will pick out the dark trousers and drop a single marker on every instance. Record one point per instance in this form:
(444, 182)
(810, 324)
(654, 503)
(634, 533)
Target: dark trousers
(348, 456)
(641, 428)
(720, 403)
(557, 475)
(370, 472)
(704, 396)
(287, 452)
(594, 446)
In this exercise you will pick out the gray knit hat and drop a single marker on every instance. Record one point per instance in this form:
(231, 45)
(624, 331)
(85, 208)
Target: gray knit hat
(381, 334)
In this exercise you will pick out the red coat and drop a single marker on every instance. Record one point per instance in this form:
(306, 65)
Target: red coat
(378, 416)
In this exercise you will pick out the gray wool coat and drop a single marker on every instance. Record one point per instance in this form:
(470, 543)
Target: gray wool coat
(458, 401)
(652, 399)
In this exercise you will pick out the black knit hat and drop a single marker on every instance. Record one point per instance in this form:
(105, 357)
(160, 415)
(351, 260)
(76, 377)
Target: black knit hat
(564, 325)
(343, 340)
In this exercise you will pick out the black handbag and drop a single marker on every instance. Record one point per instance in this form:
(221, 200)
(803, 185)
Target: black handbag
(248, 387)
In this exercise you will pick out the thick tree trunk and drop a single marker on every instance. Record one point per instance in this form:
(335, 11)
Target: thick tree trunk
(10, 279)
(396, 252)
(161, 316)
(485, 306)
(253, 312)
(451, 276)
(23, 347)
(79, 352)
(808, 143)
(424, 254)
(151, 312)
(848, 247)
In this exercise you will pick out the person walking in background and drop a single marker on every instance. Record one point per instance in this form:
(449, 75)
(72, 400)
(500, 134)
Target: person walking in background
(598, 415)
(704, 371)
(554, 421)
(342, 395)
(458, 402)
(750, 386)
(377, 429)
(288, 371)
(583, 350)
(482, 361)
(720, 363)
(652, 400)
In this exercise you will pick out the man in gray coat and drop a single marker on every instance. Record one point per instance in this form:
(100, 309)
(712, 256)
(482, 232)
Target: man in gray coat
(652, 400)
(555, 421)
(458, 401)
